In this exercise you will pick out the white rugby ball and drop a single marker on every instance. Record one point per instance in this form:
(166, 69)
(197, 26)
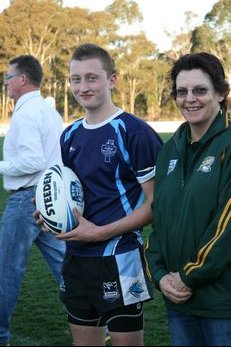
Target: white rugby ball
(59, 190)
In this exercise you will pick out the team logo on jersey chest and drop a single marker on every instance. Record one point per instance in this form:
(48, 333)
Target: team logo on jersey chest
(108, 150)
(206, 164)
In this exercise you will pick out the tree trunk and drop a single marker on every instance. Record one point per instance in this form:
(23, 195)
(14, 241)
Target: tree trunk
(66, 102)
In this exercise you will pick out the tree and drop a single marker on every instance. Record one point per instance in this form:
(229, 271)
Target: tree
(124, 12)
(181, 43)
(133, 52)
(156, 84)
(32, 28)
(214, 35)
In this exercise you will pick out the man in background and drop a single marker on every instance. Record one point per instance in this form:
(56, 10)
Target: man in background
(30, 147)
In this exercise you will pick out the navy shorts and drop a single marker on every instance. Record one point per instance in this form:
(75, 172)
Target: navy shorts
(95, 289)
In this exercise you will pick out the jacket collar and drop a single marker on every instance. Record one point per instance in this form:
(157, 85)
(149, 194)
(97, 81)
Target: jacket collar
(221, 122)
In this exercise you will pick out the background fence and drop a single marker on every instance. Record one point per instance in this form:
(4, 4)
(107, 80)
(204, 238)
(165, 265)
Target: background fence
(160, 127)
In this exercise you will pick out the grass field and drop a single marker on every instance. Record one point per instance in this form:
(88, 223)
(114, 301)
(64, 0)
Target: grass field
(39, 318)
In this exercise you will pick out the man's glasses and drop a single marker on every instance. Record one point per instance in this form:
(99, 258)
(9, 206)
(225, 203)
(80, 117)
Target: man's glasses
(197, 91)
(8, 77)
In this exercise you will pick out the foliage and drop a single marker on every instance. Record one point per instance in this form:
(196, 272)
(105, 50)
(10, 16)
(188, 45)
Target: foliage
(51, 32)
(214, 35)
(134, 53)
(125, 11)
(33, 27)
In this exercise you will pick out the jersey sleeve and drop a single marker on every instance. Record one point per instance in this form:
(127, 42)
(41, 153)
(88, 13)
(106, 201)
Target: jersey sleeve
(66, 141)
(143, 147)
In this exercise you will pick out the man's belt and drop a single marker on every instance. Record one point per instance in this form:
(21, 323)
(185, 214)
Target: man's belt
(21, 189)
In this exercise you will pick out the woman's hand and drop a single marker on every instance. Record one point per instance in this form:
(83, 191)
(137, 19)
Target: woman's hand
(171, 288)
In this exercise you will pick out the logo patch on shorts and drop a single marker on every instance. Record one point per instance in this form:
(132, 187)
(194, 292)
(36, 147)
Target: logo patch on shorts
(136, 289)
(111, 292)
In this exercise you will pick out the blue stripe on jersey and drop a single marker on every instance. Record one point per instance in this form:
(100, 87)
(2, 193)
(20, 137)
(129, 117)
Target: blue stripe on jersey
(123, 198)
(139, 204)
(115, 123)
(73, 128)
(111, 246)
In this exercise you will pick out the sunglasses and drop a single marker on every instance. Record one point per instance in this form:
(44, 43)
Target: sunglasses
(8, 77)
(197, 91)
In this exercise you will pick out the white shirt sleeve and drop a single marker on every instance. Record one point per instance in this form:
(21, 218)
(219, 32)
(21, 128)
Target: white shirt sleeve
(4, 168)
(25, 153)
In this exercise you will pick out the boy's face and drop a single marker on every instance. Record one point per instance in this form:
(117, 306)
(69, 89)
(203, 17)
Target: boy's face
(90, 84)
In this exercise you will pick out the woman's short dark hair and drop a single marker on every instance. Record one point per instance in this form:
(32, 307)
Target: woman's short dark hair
(209, 64)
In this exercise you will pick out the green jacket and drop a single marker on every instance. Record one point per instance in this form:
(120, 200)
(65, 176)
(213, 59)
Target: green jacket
(192, 218)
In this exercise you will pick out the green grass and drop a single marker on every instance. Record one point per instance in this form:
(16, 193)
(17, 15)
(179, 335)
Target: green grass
(39, 318)
(165, 136)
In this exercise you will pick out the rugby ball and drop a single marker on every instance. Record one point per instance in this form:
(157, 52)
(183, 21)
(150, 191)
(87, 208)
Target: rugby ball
(59, 190)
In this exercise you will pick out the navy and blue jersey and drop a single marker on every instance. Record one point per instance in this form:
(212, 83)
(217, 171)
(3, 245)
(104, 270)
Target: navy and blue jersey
(111, 160)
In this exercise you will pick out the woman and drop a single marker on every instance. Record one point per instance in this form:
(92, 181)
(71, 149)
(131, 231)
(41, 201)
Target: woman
(189, 249)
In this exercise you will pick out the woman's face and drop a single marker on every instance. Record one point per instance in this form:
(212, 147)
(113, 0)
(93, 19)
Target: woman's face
(196, 97)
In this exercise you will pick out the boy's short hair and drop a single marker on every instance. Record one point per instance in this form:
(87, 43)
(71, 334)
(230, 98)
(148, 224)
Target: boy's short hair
(91, 51)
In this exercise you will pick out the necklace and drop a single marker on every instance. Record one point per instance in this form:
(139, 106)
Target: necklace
(191, 141)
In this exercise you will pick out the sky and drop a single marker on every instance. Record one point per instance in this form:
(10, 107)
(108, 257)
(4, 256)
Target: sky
(159, 16)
